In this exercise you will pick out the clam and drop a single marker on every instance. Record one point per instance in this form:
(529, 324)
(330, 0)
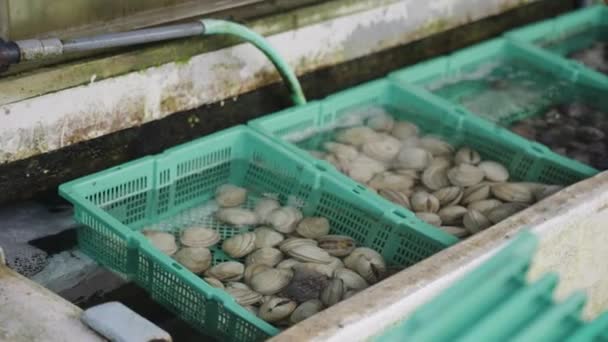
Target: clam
(229, 195)
(352, 280)
(465, 175)
(306, 284)
(458, 232)
(214, 282)
(413, 174)
(422, 201)
(363, 168)
(383, 150)
(264, 207)
(335, 263)
(403, 130)
(226, 271)
(474, 221)
(546, 191)
(276, 309)
(505, 210)
(252, 270)
(271, 281)
(466, 155)
(243, 294)
(337, 245)
(513, 192)
(288, 263)
(305, 310)
(392, 181)
(356, 136)
(237, 216)
(199, 237)
(163, 241)
(239, 245)
(435, 146)
(413, 158)
(367, 262)
(381, 122)
(342, 167)
(196, 259)
(309, 253)
(494, 171)
(333, 292)
(345, 154)
(313, 227)
(267, 256)
(254, 310)
(441, 161)
(475, 193)
(293, 242)
(452, 214)
(285, 219)
(317, 154)
(484, 206)
(324, 269)
(447, 196)
(267, 237)
(430, 218)
(397, 197)
(435, 177)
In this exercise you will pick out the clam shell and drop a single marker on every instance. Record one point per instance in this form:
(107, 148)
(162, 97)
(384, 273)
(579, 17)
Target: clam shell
(239, 245)
(243, 294)
(389, 180)
(330, 158)
(356, 136)
(505, 210)
(324, 269)
(293, 242)
(458, 232)
(380, 122)
(276, 309)
(475, 193)
(199, 237)
(422, 201)
(466, 155)
(430, 218)
(494, 171)
(452, 215)
(403, 130)
(306, 284)
(352, 280)
(313, 227)
(450, 195)
(305, 310)
(383, 150)
(512, 192)
(264, 207)
(363, 168)
(252, 270)
(367, 262)
(413, 174)
(309, 253)
(335, 263)
(267, 255)
(350, 260)
(435, 146)
(226, 271)
(484, 206)
(435, 176)
(229, 195)
(254, 310)
(333, 292)
(337, 245)
(288, 263)
(397, 197)
(237, 216)
(344, 154)
(163, 241)
(465, 175)
(267, 237)
(413, 158)
(285, 219)
(214, 282)
(196, 259)
(271, 281)
(474, 221)
(547, 191)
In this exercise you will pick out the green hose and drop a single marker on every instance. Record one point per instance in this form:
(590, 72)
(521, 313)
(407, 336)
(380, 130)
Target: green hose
(214, 26)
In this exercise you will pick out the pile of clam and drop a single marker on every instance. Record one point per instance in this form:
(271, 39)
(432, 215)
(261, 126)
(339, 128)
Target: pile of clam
(289, 267)
(454, 190)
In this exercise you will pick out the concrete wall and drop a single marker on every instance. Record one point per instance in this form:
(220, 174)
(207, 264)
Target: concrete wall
(49, 109)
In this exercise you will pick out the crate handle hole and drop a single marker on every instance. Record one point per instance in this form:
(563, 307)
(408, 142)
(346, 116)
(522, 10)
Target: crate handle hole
(177, 266)
(357, 191)
(400, 213)
(321, 167)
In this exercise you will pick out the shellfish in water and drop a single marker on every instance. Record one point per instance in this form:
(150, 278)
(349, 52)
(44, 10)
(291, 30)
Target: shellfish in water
(264, 207)
(239, 245)
(363, 168)
(305, 310)
(367, 262)
(214, 282)
(333, 292)
(397, 197)
(309, 253)
(356, 136)
(267, 237)
(430, 218)
(513, 192)
(448, 196)
(237, 216)
(267, 256)
(475, 193)
(313, 227)
(381, 122)
(352, 280)
(458, 232)
(345, 154)
(465, 175)
(243, 294)
(467, 155)
(271, 281)
(484, 206)
(337, 245)
(199, 237)
(494, 171)
(252, 270)
(285, 219)
(403, 130)
(226, 271)
(165, 242)
(293, 242)
(452, 214)
(422, 201)
(276, 309)
(196, 259)
(392, 181)
(435, 176)
(229, 195)
(435, 146)
(413, 158)
(382, 150)
(474, 221)
(505, 210)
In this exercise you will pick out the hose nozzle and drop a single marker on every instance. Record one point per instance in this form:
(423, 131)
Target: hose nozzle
(9, 54)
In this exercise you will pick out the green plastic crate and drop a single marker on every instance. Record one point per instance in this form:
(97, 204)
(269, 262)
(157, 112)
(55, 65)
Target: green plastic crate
(169, 191)
(594, 331)
(567, 34)
(526, 161)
